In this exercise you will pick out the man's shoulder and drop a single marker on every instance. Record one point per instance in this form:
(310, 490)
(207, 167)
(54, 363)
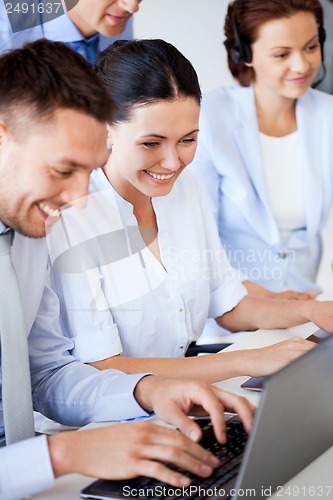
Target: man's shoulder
(11, 37)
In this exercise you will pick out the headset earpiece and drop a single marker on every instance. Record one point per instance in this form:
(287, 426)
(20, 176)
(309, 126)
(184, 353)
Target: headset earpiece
(241, 52)
(322, 38)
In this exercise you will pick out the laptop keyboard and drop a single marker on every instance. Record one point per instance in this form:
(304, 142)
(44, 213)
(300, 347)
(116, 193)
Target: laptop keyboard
(230, 456)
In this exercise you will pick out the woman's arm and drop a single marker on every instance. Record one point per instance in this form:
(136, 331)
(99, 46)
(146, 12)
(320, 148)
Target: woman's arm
(215, 367)
(250, 314)
(255, 312)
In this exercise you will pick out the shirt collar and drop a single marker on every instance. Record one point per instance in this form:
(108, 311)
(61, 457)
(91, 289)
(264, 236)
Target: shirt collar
(3, 228)
(62, 29)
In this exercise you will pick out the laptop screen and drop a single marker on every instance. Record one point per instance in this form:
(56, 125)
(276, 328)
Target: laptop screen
(293, 424)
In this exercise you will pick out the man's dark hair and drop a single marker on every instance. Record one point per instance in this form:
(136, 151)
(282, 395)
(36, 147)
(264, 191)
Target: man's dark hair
(44, 76)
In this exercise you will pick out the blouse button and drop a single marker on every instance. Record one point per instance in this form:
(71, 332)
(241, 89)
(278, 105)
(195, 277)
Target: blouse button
(180, 310)
(181, 346)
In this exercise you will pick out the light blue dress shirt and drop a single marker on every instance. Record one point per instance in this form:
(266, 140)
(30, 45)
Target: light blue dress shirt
(63, 388)
(60, 29)
(125, 301)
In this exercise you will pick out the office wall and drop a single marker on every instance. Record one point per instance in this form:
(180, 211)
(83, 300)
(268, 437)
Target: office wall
(195, 27)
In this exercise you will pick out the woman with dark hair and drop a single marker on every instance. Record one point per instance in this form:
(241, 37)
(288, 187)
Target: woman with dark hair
(265, 151)
(139, 269)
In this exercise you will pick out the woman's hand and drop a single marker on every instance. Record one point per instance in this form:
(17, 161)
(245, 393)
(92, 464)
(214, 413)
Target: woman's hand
(320, 313)
(261, 291)
(268, 360)
(291, 295)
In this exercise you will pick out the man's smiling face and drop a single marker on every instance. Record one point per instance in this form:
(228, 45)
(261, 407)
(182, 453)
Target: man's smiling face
(47, 167)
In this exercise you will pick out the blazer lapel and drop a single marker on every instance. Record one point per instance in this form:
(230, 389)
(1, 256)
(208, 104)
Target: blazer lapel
(309, 124)
(254, 204)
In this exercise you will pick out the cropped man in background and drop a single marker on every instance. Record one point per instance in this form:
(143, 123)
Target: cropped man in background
(85, 26)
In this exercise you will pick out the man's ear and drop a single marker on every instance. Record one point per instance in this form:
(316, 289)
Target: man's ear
(3, 133)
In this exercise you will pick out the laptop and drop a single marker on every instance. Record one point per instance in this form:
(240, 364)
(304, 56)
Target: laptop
(292, 427)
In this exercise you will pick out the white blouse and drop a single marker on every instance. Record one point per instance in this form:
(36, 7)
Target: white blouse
(116, 297)
(285, 182)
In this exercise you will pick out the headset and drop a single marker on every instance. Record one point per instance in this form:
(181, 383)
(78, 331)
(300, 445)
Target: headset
(242, 52)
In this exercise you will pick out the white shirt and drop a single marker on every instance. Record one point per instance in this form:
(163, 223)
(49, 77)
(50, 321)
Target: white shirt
(284, 175)
(126, 301)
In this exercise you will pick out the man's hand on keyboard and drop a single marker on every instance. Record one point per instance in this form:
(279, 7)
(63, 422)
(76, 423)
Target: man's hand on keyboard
(173, 400)
(124, 451)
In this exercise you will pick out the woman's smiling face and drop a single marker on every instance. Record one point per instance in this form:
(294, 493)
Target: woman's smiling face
(287, 55)
(153, 147)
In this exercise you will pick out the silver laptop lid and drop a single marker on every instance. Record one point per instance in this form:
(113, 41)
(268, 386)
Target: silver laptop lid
(293, 424)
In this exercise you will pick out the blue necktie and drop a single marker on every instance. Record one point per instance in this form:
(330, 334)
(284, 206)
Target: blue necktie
(87, 47)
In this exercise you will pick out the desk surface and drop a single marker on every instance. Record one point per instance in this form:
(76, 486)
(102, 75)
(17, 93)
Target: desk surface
(313, 482)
